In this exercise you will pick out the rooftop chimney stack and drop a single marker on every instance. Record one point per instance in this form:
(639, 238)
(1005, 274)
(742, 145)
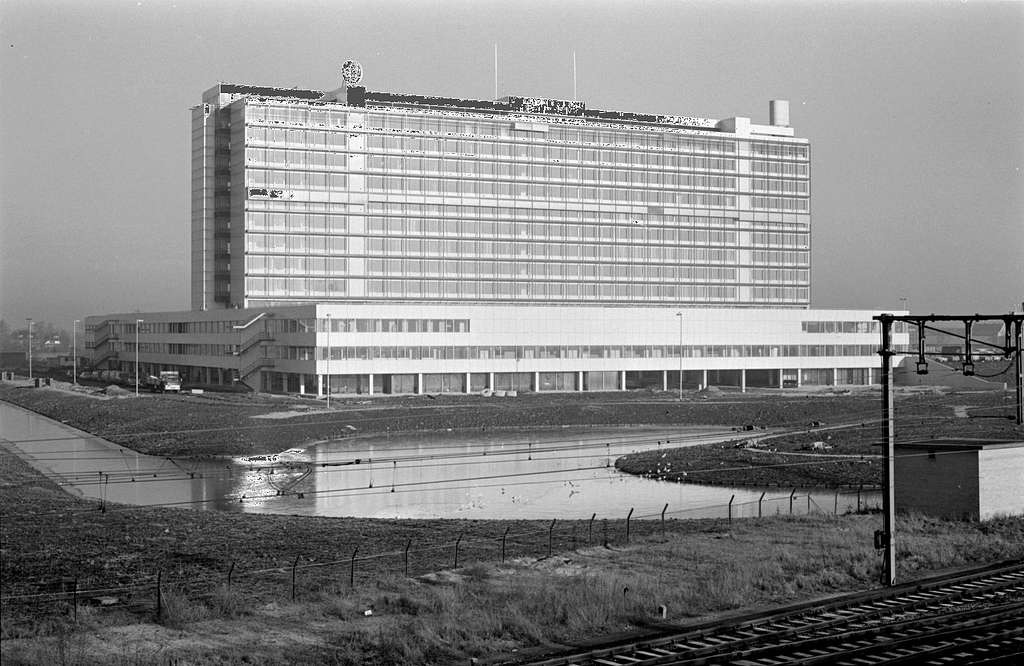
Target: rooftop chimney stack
(778, 112)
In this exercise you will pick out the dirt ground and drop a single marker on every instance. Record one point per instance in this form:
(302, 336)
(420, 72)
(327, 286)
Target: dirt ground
(50, 541)
(831, 454)
(214, 424)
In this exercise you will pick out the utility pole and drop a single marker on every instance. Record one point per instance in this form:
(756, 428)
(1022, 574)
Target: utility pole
(888, 492)
(680, 315)
(1018, 368)
(328, 361)
(1013, 345)
(137, 322)
(29, 320)
(74, 352)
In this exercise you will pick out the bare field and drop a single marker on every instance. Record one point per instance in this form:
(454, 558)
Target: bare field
(830, 455)
(212, 425)
(486, 608)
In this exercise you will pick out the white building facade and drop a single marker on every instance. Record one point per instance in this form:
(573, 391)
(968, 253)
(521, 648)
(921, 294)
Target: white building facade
(404, 348)
(362, 242)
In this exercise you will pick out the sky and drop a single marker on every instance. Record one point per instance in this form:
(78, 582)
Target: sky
(914, 110)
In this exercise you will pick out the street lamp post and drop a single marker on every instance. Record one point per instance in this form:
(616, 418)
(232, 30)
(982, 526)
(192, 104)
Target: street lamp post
(680, 315)
(137, 322)
(74, 352)
(328, 361)
(29, 320)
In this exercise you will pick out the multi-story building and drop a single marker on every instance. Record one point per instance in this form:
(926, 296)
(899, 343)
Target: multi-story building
(445, 243)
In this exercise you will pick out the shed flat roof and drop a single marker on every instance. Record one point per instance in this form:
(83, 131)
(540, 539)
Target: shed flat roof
(961, 444)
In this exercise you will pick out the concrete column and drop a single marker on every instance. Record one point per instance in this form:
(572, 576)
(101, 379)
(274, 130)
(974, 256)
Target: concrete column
(490, 380)
(835, 376)
(622, 380)
(469, 388)
(799, 377)
(664, 380)
(419, 383)
(536, 381)
(743, 380)
(319, 386)
(579, 380)
(370, 392)
(302, 383)
(781, 373)
(703, 379)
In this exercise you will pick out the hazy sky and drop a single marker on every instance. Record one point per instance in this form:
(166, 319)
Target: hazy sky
(915, 112)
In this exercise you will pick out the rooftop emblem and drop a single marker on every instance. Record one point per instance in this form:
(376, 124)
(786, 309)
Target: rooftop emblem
(351, 72)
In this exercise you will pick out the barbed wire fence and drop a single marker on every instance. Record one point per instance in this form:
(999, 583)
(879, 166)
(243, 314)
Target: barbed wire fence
(358, 566)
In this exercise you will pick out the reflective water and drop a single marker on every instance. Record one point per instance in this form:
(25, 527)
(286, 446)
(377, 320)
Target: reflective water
(554, 473)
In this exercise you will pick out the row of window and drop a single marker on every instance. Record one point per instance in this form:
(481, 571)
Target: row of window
(559, 291)
(455, 352)
(781, 257)
(477, 168)
(294, 265)
(780, 203)
(296, 222)
(654, 215)
(839, 326)
(293, 179)
(425, 149)
(517, 189)
(295, 286)
(552, 271)
(408, 247)
(791, 169)
(781, 186)
(296, 244)
(569, 131)
(632, 233)
(347, 325)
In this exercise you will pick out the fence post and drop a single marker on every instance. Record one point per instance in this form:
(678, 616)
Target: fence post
(628, 516)
(590, 528)
(295, 565)
(858, 496)
(835, 507)
(352, 569)
(663, 510)
(74, 600)
(504, 537)
(791, 496)
(551, 530)
(159, 600)
(730, 507)
(808, 502)
(575, 527)
(759, 500)
(604, 526)
(457, 542)
(408, 544)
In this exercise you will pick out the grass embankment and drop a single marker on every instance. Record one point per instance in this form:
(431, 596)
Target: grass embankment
(226, 424)
(485, 610)
(829, 457)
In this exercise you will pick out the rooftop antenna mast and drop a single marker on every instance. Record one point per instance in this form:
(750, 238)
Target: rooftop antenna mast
(574, 75)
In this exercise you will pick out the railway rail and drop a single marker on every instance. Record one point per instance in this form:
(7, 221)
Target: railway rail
(969, 617)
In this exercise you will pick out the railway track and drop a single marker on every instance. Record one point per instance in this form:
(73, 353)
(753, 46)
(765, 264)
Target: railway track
(971, 617)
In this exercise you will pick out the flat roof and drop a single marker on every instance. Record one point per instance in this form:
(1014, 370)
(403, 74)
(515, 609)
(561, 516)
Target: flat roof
(961, 444)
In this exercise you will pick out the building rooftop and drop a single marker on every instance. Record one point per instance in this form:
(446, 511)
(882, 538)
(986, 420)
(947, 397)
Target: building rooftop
(961, 444)
(359, 96)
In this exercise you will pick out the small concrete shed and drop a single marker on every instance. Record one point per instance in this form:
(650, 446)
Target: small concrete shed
(962, 479)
